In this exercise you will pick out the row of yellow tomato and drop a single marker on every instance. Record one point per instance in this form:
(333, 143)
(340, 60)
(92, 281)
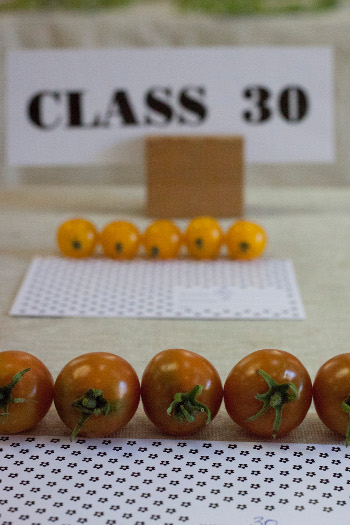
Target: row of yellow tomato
(268, 392)
(162, 239)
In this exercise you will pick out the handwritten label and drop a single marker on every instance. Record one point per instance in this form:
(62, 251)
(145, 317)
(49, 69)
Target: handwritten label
(92, 107)
(259, 520)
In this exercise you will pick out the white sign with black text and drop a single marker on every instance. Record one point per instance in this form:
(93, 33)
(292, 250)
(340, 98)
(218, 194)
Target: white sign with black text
(93, 106)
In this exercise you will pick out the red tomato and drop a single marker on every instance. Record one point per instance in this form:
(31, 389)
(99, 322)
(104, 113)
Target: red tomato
(331, 392)
(268, 392)
(96, 394)
(181, 391)
(26, 391)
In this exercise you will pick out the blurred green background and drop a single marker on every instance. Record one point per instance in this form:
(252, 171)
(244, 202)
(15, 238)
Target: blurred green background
(210, 6)
(255, 6)
(61, 4)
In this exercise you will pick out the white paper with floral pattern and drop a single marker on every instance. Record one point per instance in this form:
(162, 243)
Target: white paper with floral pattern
(100, 287)
(141, 481)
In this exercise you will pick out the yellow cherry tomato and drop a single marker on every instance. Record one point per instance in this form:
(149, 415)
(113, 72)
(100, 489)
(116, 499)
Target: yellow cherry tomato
(162, 240)
(245, 240)
(203, 238)
(77, 238)
(120, 240)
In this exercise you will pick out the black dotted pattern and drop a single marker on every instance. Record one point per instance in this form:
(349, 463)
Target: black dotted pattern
(99, 287)
(115, 481)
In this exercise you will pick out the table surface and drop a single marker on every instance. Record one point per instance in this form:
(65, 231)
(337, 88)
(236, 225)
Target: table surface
(309, 226)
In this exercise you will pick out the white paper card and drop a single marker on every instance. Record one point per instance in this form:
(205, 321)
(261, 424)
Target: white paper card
(100, 287)
(94, 106)
(140, 481)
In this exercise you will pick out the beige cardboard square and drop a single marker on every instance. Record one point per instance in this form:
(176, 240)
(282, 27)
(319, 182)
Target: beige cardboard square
(189, 176)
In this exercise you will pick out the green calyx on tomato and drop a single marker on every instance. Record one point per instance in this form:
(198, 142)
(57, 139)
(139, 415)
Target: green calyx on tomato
(5, 393)
(345, 406)
(185, 405)
(92, 403)
(244, 246)
(277, 395)
(199, 243)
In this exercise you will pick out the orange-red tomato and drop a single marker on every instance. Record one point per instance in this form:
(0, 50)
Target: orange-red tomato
(26, 391)
(120, 240)
(331, 393)
(181, 391)
(77, 238)
(268, 392)
(245, 240)
(162, 240)
(203, 238)
(96, 394)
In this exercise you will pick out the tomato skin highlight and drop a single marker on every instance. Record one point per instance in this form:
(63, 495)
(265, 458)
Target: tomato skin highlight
(35, 387)
(330, 389)
(104, 371)
(244, 383)
(178, 371)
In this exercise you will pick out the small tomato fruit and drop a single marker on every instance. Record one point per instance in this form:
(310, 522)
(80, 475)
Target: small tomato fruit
(26, 391)
(120, 240)
(245, 240)
(96, 394)
(203, 238)
(77, 238)
(162, 240)
(331, 393)
(181, 391)
(268, 392)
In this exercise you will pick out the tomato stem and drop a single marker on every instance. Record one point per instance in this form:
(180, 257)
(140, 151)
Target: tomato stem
(154, 252)
(277, 395)
(6, 391)
(185, 405)
(92, 403)
(346, 408)
(199, 243)
(244, 246)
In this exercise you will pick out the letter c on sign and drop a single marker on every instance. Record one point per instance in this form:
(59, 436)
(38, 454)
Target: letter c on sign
(36, 111)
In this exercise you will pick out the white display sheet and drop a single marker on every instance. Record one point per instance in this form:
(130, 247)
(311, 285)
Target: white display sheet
(100, 287)
(81, 106)
(140, 481)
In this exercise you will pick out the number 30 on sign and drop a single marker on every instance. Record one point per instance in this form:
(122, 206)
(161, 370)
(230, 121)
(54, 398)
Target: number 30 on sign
(290, 104)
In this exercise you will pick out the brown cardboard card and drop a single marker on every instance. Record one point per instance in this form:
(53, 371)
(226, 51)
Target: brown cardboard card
(192, 175)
